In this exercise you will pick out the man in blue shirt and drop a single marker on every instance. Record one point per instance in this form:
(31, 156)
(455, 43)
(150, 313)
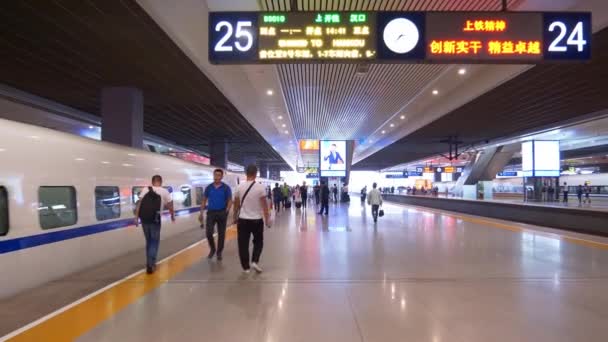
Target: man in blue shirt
(334, 156)
(218, 200)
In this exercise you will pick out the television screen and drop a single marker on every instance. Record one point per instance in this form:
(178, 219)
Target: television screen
(333, 158)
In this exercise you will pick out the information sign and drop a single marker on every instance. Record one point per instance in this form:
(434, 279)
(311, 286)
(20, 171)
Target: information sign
(398, 37)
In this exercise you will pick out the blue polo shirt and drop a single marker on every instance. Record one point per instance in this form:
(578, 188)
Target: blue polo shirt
(217, 197)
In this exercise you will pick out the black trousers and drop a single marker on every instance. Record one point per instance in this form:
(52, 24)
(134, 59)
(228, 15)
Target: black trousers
(304, 200)
(316, 198)
(246, 228)
(324, 206)
(277, 205)
(375, 208)
(219, 217)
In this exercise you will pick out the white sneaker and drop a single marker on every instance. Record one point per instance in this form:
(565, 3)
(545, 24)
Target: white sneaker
(246, 271)
(256, 267)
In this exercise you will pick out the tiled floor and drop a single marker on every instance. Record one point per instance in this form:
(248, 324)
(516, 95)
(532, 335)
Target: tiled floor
(415, 276)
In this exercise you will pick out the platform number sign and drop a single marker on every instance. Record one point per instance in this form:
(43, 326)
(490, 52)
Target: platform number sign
(233, 38)
(567, 36)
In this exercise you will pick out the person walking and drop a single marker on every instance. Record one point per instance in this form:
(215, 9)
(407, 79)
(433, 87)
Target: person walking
(286, 198)
(579, 194)
(304, 194)
(250, 212)
(277, 196)
(565, 191)
(317, 192)
(324, 195)
(374, 198)
(334, 191)
(363, 194)
(153, 199)
(217, 199)
(297, 197)
(587, 191)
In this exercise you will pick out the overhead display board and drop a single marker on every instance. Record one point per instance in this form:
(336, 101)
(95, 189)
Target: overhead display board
(398, 37)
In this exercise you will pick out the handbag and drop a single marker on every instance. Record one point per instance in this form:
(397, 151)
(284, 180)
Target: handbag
(381, 212)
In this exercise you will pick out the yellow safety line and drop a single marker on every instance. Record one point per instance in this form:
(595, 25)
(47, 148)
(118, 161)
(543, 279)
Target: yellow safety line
(557, 236)
(83, 317)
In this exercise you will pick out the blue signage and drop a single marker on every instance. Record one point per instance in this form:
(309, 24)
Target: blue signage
(507, 174)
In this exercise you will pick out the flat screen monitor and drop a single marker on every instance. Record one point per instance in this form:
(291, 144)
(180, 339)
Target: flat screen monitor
(333, 158)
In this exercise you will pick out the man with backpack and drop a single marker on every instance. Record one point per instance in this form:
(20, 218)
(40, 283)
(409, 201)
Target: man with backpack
(149, 209)
(218, 200)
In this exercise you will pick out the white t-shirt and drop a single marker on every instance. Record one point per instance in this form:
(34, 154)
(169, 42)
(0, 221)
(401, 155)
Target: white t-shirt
(251, 208)
(165, 195)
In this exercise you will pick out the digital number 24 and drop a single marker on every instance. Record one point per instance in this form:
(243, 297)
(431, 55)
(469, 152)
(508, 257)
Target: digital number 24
(575, 38)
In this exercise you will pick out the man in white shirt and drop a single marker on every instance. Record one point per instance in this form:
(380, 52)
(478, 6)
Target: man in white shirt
(374, 198)
(151, 217)
(250, 210)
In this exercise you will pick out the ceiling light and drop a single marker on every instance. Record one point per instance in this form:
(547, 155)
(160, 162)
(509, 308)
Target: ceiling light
(269, 92)
(2, 149)
(91, 127)
(105, 162)
(131, 154)
(126, 165)
(170, 148)
(284, 125)
(286, 132)
(462, 71)
(34, 137)
(383, 132)
(402, 117)
(435, 91)
(392, 125)
(79, 159)
(280, 117)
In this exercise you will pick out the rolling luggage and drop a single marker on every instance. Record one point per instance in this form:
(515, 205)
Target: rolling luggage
(298, 205)
(287, 205)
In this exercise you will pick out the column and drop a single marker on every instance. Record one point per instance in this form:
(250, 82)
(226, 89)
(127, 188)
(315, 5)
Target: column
(122, 115)
(275, 173)
(218, 154)
(263, 168)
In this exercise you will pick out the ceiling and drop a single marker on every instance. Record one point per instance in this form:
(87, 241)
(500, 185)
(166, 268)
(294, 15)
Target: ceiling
(330, 101)
(543, 96)
(67, 51)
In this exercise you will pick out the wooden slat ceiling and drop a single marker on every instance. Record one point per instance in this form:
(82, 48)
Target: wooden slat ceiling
(542, 97)
(67, 51)
(329, 101)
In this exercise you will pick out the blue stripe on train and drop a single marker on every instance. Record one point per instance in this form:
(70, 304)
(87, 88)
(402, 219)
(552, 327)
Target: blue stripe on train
(25, 242)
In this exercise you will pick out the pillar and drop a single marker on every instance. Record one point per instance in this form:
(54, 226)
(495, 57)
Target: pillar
(263, 168)
(274, 173)
(218, 154)
(122, 115)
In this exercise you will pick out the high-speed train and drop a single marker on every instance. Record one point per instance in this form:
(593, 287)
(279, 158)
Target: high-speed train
(67, 202)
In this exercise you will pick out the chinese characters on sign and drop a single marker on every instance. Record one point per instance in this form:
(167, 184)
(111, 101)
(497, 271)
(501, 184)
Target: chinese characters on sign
(318, 36)
(483, 36)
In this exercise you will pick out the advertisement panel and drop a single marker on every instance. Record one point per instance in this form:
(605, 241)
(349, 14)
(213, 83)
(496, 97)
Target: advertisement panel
(333, 158)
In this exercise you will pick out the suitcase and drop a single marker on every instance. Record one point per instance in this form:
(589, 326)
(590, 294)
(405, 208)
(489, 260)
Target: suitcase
(288, 205)
(298, 205)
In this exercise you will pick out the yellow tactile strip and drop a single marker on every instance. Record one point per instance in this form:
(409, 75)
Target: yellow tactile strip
(84, 316)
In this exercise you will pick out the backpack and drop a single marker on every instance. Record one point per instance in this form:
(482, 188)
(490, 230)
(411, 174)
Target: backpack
(149, 208)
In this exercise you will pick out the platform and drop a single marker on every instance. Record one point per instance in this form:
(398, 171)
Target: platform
(418, 275)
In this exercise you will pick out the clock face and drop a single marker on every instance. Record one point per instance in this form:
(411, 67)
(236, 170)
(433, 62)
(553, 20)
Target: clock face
(401, 35)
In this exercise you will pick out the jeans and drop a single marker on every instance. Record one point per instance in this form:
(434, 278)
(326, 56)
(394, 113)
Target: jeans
(304, 200)
(220, 217)
(375, 208)
(324, 207)
(152, 234)
(246, 228)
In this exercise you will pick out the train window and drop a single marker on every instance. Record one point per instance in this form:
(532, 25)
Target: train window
(3, 211)
(57, 206)
(107, 202)
(199, 192)
(186, 195)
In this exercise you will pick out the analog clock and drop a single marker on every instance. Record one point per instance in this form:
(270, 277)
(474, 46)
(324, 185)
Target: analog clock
(401, 35)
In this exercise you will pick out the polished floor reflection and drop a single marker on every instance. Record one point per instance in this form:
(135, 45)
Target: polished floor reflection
(417, 275)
